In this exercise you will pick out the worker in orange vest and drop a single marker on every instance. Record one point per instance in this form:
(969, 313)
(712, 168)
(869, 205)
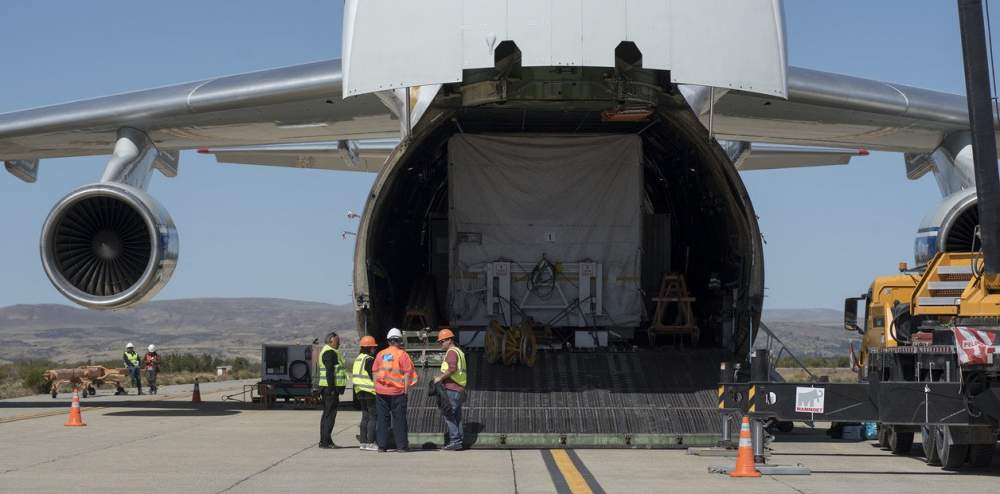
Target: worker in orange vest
(394, 376)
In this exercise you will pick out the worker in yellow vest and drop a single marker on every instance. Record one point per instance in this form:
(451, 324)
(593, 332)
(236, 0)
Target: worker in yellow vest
(332, 383)
(455, 378)
(364, 392)
(131, 360)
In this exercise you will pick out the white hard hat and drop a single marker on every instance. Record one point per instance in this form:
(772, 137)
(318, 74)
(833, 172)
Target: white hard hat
(394, 333)
(151, 348)
(129, 345)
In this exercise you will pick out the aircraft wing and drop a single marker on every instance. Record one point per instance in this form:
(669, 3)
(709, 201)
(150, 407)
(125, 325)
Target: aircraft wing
(301, 103)
(304, 104)
(826, 109)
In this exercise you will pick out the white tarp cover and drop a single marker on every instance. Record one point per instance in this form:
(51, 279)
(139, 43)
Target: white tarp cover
(571, 198)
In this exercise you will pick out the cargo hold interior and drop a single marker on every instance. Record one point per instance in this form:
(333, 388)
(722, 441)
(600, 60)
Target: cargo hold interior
(626, 389)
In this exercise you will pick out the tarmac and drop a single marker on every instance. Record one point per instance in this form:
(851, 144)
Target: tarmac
(165, 443)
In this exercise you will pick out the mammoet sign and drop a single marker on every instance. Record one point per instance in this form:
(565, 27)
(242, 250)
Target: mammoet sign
(809, 400)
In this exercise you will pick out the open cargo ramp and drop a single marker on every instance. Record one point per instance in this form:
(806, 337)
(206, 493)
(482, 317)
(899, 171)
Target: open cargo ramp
(640, 399)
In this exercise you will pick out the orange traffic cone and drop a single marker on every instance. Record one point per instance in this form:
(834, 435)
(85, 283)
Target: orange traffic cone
(196, 396)
(75, 419)
(744, 460)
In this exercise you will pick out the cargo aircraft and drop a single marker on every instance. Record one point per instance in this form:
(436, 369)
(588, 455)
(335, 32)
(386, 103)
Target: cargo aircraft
(572, 163)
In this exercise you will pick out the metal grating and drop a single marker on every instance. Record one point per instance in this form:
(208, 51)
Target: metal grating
(645, 392)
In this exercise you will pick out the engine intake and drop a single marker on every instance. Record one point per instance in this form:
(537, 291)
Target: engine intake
(109, 246)
(949, 227)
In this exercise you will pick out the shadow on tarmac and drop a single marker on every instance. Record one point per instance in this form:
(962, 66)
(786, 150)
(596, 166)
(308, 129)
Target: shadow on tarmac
(162, 408)
(193, 412)
(169, 404)
(915, 454)
(855, 455)
(814, 436)
(983, 472)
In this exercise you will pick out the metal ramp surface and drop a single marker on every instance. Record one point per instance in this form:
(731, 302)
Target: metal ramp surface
(642, 399)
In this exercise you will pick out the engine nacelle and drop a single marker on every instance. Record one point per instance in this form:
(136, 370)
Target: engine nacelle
(950, 227)
(109, 246)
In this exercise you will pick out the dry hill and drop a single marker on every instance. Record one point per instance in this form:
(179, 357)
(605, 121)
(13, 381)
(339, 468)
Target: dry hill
(220, 326)
(237, 327)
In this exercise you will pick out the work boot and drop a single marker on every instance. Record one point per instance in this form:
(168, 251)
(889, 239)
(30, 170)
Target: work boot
(453, 447)
(327, 446)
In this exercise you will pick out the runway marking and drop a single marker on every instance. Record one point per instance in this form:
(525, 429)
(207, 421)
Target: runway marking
(569, 474)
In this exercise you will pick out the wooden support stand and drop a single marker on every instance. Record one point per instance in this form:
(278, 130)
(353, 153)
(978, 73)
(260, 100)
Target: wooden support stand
(673, 295)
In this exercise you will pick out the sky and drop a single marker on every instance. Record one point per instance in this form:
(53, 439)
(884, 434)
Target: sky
(249, 231)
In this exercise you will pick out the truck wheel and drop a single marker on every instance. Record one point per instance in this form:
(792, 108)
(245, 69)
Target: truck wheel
(883, 436)
(900, 443)
(981, 455)
(952, 455)
(927, 436)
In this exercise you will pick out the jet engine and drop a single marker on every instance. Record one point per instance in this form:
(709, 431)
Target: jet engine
(950, 227)
(109, 246)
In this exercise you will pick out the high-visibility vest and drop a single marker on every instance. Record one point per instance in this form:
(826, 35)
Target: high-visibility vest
(133, 358)
(340, 376)
(460, 377)
(389, 374)
(359, 377)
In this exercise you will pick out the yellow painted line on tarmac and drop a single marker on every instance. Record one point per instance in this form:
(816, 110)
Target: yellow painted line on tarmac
(574, 480)
(569, 474)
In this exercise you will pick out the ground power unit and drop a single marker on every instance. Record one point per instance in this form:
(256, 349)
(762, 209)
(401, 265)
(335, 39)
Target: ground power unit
(287, 370)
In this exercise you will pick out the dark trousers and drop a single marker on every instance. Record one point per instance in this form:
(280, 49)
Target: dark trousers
(151, 380)
(367, 433)
(330, 401)
(391, 412)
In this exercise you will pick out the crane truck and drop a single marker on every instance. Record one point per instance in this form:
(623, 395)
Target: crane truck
(929, 364)
(938, 325)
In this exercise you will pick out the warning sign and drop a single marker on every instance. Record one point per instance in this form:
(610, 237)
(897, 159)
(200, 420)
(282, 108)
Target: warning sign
(975, 347)
(809, 400)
